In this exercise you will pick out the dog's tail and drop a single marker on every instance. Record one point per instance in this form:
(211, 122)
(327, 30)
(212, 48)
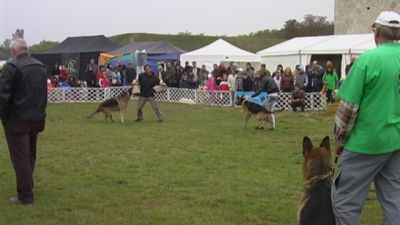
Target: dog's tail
(95, 112)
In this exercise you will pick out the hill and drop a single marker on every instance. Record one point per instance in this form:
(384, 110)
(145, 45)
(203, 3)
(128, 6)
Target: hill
(191, 42)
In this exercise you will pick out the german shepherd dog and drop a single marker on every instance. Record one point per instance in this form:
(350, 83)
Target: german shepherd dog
(115, 104)
(315, 203)
(251, 108)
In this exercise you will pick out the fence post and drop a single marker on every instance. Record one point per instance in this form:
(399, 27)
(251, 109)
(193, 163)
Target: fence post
(312, 101)
(63, 95)
(195, 96)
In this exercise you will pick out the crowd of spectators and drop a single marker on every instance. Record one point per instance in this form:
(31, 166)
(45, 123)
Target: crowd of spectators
(311, 78)
(93, 76)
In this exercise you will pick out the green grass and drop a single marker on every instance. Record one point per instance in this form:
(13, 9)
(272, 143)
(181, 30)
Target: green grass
(197, 167)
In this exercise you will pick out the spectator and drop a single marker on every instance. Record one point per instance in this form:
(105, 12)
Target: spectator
(55, 70)
(232, 84)
(298, 98)
(178, 73)
(239, 80)
(250, 70)
(130, 74)
(348, 66)
(195, 74)
(147, 81)
(90, 74)
(211, 84)
(287, 80)
(258, 82)
(247, 83)
(202, 77)
(102, 78)
(300, 78)
(316, 72)
(116, 78)
(264, 71)
(223, 85)
(368, 129)
(330, 79)
(185, 82)
(63, 74)
(72, 81)
(277, 76)
(109, 71)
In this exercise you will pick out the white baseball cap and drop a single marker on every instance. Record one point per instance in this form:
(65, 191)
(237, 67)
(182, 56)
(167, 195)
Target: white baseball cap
(389, 19)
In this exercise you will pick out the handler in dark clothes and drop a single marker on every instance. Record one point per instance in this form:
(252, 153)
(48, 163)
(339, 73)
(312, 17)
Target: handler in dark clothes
(147, 81)
(23, 101)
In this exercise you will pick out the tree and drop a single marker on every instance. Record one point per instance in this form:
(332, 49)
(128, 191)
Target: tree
(311, 26)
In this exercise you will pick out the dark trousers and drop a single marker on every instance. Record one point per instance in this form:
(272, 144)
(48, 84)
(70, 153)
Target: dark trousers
(329, 96)
(294, 105)
(142, 101)
(22, 139)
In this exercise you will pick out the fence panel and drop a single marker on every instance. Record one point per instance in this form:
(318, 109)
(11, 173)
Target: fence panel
(314, 101)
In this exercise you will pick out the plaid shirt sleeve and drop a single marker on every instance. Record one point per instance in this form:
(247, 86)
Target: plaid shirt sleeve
(344, 121)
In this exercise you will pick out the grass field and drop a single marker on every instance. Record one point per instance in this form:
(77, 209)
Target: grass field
(197, 167)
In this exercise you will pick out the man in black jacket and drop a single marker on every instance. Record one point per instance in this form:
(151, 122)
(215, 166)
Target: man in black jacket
(23, 101)
(147, 81)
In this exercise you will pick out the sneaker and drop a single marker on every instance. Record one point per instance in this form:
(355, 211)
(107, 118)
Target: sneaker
(138, 120)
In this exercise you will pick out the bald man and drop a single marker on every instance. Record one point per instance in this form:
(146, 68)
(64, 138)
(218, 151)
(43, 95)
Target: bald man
(23, 101)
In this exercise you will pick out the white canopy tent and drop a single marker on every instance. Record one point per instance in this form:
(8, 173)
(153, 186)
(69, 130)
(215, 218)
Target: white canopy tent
(298, 51)
(220, 51)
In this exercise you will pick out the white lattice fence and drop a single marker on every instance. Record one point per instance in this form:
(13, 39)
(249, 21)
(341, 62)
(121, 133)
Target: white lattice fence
(314, 101)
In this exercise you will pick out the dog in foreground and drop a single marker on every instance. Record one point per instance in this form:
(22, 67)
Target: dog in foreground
(315, 203)
(115, 104)
(251, 108)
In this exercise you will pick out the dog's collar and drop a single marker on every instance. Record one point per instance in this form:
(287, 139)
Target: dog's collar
(317, 178)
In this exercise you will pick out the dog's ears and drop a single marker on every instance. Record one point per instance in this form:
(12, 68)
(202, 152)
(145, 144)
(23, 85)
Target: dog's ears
(326, 143)
(307, 146)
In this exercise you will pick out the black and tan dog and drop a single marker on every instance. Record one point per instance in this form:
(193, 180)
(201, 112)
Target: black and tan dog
(251, 108)
(116, 104)
(315, 203)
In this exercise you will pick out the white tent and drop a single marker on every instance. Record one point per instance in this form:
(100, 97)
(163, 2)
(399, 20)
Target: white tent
(220, 51)
(300, 50)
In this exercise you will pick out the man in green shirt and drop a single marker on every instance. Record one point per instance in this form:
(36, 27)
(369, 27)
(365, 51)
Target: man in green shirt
(367, 129)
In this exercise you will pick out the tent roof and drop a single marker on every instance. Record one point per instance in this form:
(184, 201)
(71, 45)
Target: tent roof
(151, 47)
(224, 51)
(330, 44)
(220, 47)
(98, 43)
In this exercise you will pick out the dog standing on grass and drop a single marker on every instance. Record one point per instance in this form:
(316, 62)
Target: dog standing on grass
(315, 203)
(251, 108)
(115, 104)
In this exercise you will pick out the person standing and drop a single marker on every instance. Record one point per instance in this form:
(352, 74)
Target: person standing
(147, 81)
(330, 79)
(90, 72)
(130, 74)
(23, 101)
(367, 129)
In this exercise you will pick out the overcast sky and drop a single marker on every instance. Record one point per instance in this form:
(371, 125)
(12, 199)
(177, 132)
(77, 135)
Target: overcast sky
(57, 19)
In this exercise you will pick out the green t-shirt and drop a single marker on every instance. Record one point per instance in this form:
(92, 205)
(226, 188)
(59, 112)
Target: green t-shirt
(374, 84)
(331, 80)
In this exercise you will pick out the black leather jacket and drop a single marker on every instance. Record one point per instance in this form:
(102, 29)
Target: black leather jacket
(23, 90)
